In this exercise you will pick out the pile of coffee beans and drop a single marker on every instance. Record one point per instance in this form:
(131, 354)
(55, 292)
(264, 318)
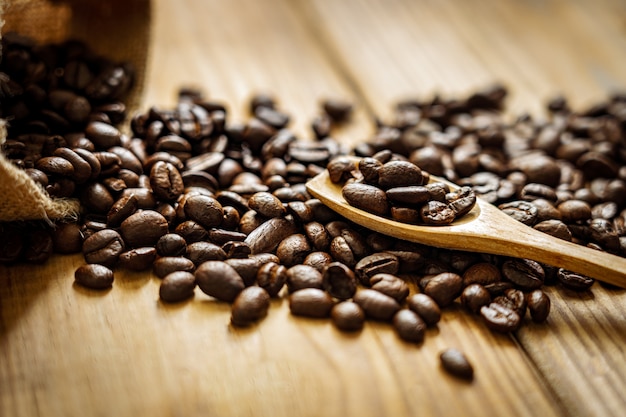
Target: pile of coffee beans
(399, 189)
(205, 202)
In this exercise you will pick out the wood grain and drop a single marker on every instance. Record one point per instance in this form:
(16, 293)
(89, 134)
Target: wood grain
(66, 351)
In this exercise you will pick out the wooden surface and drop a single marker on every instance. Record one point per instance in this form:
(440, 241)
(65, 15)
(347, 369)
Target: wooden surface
(66, 351)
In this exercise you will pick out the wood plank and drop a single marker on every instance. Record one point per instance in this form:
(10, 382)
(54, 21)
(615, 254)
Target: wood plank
(538, 49)
(67, 351)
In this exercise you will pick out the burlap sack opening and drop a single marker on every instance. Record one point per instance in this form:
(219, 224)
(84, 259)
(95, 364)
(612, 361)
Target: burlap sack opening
(117, 29)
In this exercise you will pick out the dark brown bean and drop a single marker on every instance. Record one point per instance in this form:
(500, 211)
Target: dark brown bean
(168, 264)
(177, 286)
(251, 305)
(409, 326)
(219, 280)
(103, 247)
(94, 276)
(143, 228)
(456, 363)
(348, 316)
(425, 307)
(474, 297)
(524, 273)
(310, 302)
(140, 259)
(444, 288)
(390, 285)
(376, 304)
(538, 305)
(500, 318)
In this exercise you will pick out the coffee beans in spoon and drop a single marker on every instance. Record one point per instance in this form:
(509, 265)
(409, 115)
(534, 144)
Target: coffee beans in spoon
(399, 190)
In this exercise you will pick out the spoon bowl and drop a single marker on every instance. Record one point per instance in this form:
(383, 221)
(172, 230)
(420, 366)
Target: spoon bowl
(484, 229)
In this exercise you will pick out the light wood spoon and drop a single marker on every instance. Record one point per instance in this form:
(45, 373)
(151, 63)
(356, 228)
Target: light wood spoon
(484, 229)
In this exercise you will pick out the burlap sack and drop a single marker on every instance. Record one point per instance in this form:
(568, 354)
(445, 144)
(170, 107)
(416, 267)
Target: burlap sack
(117, 29)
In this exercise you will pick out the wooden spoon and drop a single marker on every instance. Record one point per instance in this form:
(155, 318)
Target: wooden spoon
(484, 229)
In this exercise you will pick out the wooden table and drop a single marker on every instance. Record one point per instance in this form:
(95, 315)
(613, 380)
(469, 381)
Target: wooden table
(66, 351)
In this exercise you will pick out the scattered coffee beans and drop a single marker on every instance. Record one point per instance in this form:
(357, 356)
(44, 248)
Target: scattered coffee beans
(94, 276)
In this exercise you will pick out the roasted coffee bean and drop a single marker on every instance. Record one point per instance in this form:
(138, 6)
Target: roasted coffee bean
(145, 197)
(221, 237)
(574, 281)
(481, 273)
(251, 305)
(409, 326)
(338, 110)
(200, 252)
(171, 244)
(474, 297)
(219, 280)
(348, 316)
(293, 249)
(38, 246)
(318, 260)
(144, 228)
(399, 174)
(177, 286)
(236, 249)
(204, 210)
(248, 268)
(456, 363)
(167, 264)
(574, 210)
(267, 236)
(267, 205)
(376, 305)
(535, 191)
(390, 285)
(437, 213)
(522, 211)
(500, 318)
(554, 228)
(425, 307)
(272, 277)
(524, 273)
(415, 194)
(317, 234)
(498, 288)
(140, 259)
(82, 170)
(339, 280)
(538, 305)
(103, 247)
(444, 288)
(103, 135)
(303, 276)
(461, 201)
(166, 182)
(123, 208)
(366, 197)
(513, 299)
(376, 263)
(94, 276)
(310, 302)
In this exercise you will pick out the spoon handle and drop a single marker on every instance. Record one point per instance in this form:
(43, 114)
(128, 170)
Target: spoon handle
(502, 236)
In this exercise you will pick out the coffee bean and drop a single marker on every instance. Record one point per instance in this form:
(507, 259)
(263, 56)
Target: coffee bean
(500, 318)
(538, 305)
(523, 273)
(272, 277)
(267, 205)
(376, 305)
(425, 307)
(390, 285)
(267, 236)
(123, 208)
(204, 210)
(444, 288)
(317, 234)
(38, 246)
(366, 197)
(67, 238)
(310, 302)
(437, 213)
(374, 264)
(168, 264)
(103, 247)
(143, 228)
(339, 280)
(293, 249)
(574, 281)
(409, 326)
(481, 273)
(139, 259)
(166, 182)
(456, 363)
(513, 299)
(474, 297)
(303, 276)
(348, 316)
(171, 244)
(103, 135)
(554, 228)
(522, 211)
(399, 174)
(96, 198)
(251, 305)
(338, 110)
(574, 210)
(94, 276)
(200, 252)
(177, 286)
(219, 280)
